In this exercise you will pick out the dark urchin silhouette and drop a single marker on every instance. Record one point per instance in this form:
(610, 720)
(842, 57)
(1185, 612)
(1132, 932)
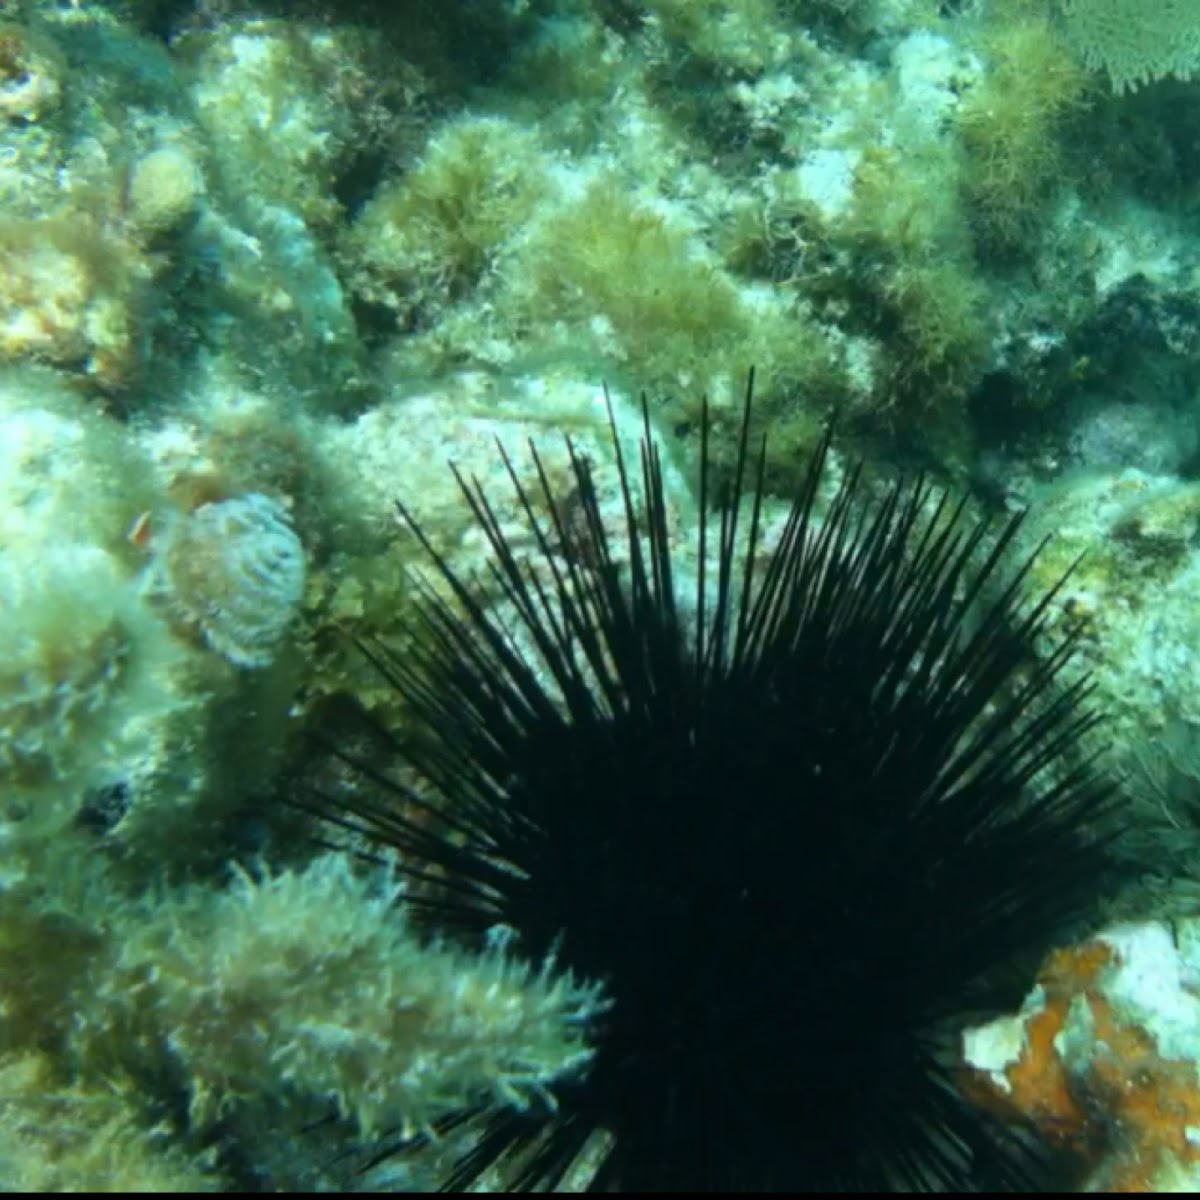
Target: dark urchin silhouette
(804, 826)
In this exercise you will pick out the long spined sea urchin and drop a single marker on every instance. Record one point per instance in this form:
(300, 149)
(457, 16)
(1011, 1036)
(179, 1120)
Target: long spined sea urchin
(804, 820)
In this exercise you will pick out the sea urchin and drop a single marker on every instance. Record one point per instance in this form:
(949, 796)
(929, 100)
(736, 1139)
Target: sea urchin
(804, 818)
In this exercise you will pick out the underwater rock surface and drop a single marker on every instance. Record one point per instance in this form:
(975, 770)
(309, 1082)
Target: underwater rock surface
(267, 268)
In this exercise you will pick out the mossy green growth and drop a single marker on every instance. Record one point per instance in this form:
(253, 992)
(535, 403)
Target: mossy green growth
(86, 665)
(920, 291)
(63, 1129)
(68, 624)
(1011, 128)
(792, 422)
(939, 330)
(800, 380)
(621, 281)
(570, 72)
(742, 35)
(430, 236)
(906, 207)
(355, 597)
(752, 36)
(56, 1136)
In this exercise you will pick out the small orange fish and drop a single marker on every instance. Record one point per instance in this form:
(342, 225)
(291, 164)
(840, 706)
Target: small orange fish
(139, 531)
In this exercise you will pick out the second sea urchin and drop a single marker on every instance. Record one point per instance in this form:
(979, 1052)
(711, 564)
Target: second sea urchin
(804, 820)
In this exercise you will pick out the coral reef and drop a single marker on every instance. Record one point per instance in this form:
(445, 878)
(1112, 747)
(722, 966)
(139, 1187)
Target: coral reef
(265, 267)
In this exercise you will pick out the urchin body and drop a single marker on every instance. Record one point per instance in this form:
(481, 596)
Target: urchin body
(802, 833)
